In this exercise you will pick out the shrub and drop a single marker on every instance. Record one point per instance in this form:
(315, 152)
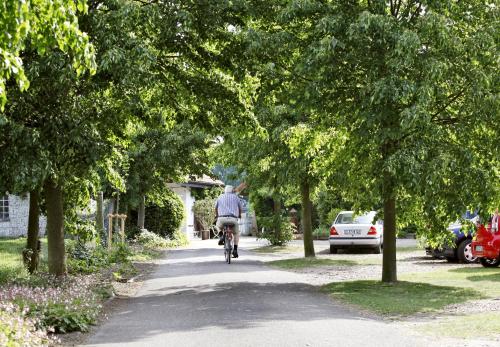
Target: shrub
(268, 219)
(328, 203)
(204, 212)
(332, 215)
(166, 218)
(178, 239)
(120, 253)
(151, 240)
(84, 230)
(18, 330)
(286, 232)
(154, 241)
(408, 229)
(131, 231)
(82, 259)
(321, 233)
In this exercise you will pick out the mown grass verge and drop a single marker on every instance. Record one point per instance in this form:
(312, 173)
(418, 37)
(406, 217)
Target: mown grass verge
(299, 263)
(409, 249)
(11, 262)
(483, 325)
(485, 281)
(401, 298)
(279, 249)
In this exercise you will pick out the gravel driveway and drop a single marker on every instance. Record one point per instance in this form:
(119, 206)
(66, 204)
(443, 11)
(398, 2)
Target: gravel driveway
(407, 262)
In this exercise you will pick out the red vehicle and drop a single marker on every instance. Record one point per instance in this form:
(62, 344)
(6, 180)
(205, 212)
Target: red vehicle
(486, 245)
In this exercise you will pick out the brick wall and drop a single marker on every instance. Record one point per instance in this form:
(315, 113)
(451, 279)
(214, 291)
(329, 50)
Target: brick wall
(17, 225)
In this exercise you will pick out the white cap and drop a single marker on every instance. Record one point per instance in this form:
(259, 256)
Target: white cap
(228, 189)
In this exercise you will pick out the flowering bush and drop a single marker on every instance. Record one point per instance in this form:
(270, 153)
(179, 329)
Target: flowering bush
(151, 240)
(18, 330)
(63, 305)
(154, 241)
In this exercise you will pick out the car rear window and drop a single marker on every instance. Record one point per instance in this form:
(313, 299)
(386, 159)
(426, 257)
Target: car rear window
(346, 218)
(364, 219)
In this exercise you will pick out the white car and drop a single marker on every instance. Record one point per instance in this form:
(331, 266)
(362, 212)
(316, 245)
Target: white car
(350, 231)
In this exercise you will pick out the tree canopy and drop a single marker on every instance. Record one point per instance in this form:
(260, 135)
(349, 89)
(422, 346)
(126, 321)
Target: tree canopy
(40, 25)
(405, 89)
(392, 103)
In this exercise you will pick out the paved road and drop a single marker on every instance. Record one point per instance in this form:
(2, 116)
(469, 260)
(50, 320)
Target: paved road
(195, 299)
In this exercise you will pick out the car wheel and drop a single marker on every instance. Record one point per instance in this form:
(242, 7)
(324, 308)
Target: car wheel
(489, 262)
(333, 250)
(464, 252)
(451, 259)
(378, 249)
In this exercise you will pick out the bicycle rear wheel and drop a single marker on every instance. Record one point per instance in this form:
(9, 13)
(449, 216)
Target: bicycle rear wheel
(227, 253)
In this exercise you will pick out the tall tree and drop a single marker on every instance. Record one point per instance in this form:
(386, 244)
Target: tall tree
(41, 25)
(149, 72)
(408, 88)
(284, 108)
(169, 154)
(411, 85)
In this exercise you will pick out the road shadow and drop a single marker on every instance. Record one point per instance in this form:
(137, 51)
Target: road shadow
(237, 305)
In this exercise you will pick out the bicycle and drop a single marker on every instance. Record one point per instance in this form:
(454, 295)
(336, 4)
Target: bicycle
(227, 230)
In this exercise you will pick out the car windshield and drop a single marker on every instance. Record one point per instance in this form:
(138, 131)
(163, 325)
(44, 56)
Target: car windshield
(346, 218)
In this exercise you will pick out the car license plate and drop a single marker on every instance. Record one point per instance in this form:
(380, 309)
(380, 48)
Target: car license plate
(352, 232)
(479, 248)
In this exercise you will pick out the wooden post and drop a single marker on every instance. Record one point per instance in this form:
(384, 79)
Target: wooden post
(110, 230)
(122, 226)
(117, 210)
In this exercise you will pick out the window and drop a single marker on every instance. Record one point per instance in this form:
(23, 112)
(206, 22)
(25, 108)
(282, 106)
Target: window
(4, 208)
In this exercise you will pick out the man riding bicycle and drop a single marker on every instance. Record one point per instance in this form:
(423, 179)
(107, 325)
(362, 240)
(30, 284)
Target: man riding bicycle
(227, 211)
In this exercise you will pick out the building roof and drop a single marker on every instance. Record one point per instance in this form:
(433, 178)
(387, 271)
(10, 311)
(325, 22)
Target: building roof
(204, 181)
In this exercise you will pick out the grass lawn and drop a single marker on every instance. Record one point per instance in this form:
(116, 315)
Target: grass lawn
(409, 249)
(469, 326)
(11, 262)
(297, 263)
(279, 249)
(420, 292)
(485, 281)
(402, 298)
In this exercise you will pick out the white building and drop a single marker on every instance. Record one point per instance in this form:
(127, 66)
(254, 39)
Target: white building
(14, 211)
(247, 223)
(183, 190)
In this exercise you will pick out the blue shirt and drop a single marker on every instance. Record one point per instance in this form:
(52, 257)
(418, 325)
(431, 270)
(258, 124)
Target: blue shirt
(228, 204)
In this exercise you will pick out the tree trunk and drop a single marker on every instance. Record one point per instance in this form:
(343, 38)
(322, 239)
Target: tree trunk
(307, 219)
(31, 255)
(277, 218)
(389, 270)
(142, 212)
(55, 228)
(99, 216)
